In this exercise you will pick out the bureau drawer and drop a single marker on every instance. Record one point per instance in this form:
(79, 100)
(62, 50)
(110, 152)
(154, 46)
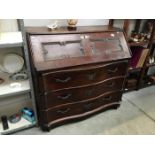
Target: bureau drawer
(80, 77)
(71, 110)
(57, 98)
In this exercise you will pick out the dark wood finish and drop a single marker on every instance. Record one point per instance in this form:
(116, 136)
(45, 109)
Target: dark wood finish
(150, 64)
(76, 94)
(77, 73)
(137, 26)
(146, 44)
(142, 43)
(111, 22)
(131, 70)
(143, 70)
(69, 111)
(78, 77)
(126, 25)
(85, 47)
(75, 118)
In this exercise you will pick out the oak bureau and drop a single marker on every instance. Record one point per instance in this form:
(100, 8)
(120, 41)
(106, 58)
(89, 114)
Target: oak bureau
(76, 73)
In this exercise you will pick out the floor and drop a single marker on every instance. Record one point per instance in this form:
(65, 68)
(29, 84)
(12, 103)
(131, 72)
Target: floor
(136, 115)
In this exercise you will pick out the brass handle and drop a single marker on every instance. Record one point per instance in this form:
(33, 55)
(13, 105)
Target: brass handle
(63, 81)
(64, 97)
(112, 70)
(63, 111)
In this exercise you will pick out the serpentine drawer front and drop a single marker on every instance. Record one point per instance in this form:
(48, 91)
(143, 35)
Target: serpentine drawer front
(76, 73)
(73, 78)
(81, 93)
(69, 111)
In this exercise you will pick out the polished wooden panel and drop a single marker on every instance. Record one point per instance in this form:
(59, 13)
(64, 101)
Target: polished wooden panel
(112, 48)
(57, 98)
(68, 111)
(79, 77)
(108, 43)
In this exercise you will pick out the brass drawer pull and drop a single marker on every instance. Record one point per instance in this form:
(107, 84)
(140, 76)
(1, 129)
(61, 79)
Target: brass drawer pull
(112, 70)
(63, 81)
(110, 84)
(107, 98)
(63, 111)
(64, 97)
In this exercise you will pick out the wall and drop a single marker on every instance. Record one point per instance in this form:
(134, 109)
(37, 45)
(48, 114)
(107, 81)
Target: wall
(8, 25)
(63, 22)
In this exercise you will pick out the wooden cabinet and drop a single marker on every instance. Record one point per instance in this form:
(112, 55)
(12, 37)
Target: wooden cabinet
(76, 73)
(140, 34)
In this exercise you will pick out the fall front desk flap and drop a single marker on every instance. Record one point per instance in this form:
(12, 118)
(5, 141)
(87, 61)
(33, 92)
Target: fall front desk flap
(53, 51)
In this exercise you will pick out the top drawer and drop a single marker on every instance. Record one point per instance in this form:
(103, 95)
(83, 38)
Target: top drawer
(80, 77)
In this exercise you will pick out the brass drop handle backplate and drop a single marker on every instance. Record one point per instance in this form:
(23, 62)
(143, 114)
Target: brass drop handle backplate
(63, 80)
(64, 97)
(63, 111)
(112, 70)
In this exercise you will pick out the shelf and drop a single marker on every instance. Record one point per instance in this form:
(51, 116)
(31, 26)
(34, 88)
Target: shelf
(150, 64)
(131, 84)
(7, 90)
(134, 69)
(150, 81)
(148, 84)
(143, 43)
(11, 39)
(129, 89)
(22, 124)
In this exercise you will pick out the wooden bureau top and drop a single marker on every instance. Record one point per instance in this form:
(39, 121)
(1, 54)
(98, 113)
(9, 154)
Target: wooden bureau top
(61, 49)
(64, 30)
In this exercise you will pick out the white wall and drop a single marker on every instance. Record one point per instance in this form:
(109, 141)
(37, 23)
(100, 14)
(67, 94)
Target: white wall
(8, 25)
(63, 22)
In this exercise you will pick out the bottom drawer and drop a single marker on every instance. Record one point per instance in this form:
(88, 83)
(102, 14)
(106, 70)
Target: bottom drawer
(71, 110)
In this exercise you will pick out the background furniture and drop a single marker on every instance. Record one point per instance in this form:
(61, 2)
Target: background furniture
(12, 100)
(76, 73)
(143, 51)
